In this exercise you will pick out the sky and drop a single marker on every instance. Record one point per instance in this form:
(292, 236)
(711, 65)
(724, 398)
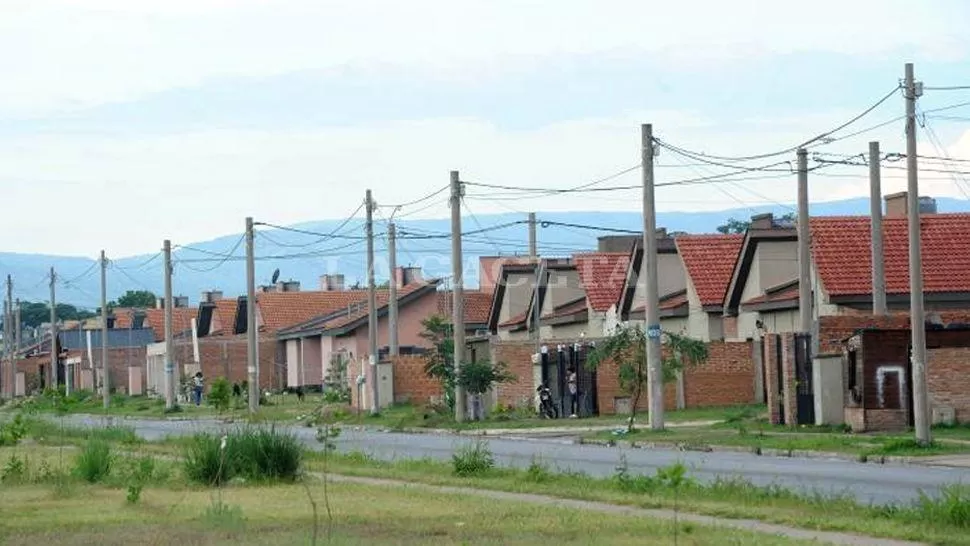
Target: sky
(125, 123)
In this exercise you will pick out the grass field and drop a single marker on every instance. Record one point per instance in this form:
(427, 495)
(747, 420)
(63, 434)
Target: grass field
(61, 510)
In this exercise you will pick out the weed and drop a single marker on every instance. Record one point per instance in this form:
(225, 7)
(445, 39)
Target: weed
(223, 516)
(139, 472)
(93, 464)
(15, 470)
(267, 454)
(951, 508)
(13, 432)
(220, 394)
(473, 459)
(207, 460)
(538, 471)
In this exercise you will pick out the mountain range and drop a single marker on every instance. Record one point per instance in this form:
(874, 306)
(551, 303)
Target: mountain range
(300, 254)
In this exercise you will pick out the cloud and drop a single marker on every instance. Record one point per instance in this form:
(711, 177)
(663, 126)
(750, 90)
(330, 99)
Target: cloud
(77, 55)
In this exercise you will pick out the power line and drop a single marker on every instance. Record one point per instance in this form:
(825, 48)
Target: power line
(547, 223)
(791, 149)
(334, 234)
(947, 88)
(225, 257)
(416, 201)
(86, 273)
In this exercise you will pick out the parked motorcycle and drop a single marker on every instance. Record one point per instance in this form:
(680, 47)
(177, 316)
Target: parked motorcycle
(546, 407)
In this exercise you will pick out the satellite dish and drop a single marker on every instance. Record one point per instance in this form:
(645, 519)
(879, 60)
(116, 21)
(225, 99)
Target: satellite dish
(276, 276)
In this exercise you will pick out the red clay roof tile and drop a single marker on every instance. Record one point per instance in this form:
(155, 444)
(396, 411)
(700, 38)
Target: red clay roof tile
(841, 250)
(789, 293)
(478, 305)
(709, 261)
(603, 276)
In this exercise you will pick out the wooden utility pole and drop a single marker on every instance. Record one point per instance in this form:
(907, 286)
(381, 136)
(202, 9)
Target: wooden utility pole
(105, 381)
(655, 384)
(375, 406)
(392, 290)
(53, 377)
(252, 359)
(169, 344)
(458, 297)
(804, 246)
(917, 318)
(875, 212)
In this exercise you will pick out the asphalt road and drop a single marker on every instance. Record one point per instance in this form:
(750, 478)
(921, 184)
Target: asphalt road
(882, 484)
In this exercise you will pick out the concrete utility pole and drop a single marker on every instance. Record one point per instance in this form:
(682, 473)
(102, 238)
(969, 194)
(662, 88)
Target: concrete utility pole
(458, 296)
(169, 345)
(533, 244)
(804, 245)
(917, 318)
(6, 349)
(53, 377)
(8, 339)
(252, 330)
(392, 289)
(375, 406)
(105, 380)
(655, 383)
(875, 211)
(17, 343)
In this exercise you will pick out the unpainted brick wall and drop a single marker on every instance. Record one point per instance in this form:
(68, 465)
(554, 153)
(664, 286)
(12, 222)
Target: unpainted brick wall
(833, 330)
(411, 384)
(948, 379)
(517, 356)
(228, 357)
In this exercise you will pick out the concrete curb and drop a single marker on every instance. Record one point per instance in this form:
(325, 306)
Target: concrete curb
(767, 452)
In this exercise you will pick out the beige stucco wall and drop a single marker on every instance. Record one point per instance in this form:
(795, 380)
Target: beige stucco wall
(294, 372)
(518, 292)
(672, 277)
(700, 324)
(677, 325)
(778, 322)
(773, 263)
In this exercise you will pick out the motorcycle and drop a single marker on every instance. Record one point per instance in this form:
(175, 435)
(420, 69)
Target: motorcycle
(546, 408)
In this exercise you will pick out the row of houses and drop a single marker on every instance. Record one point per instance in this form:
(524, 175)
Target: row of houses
(736, 292)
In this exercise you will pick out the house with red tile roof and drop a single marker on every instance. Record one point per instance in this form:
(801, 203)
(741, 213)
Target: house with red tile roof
(671, 284)
(709, 263)
(763, 286)
(314, 347)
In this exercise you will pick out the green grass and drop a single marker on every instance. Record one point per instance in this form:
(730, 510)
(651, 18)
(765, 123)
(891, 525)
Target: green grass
(934, 522)
(362, 515)
(761, 437)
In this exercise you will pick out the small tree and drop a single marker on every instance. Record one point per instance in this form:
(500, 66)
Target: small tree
(439, 361)
(478, 377)
(220, 394)
(627, 347)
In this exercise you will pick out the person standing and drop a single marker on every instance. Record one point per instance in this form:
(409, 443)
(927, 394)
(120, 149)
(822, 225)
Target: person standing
(197, 388)
(573, 387)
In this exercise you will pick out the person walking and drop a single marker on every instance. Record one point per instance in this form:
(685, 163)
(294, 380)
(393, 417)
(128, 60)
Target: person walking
(573, 387)
(197, 388)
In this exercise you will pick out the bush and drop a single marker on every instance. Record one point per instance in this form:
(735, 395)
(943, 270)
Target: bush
(257, 454)
(473, 459)
(206, 461)
(268, 454)
(11, 433)
(220, 394)
(93, 464)
(139, 472)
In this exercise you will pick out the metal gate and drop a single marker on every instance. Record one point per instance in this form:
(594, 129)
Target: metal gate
(555, 376)
(804, 388)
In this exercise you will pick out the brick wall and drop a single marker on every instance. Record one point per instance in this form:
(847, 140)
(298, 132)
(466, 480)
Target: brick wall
(411, 384)
(773, 393)
(228, 357)
(948, 379)
(727, 378)
(517, 356)
(788, 376)
(833, 330)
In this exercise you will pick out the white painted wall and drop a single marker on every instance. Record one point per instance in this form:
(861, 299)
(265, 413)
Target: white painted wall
(827, 383)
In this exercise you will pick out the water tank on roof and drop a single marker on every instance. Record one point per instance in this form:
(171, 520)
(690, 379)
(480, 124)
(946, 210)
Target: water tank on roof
(927, 205)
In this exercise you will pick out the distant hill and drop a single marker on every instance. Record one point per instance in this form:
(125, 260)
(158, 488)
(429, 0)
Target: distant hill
(304, 257)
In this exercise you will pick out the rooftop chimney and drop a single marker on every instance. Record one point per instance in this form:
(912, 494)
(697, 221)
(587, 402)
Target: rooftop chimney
(332, 283)
(763, 221)
(159, 303)
(180, 301)
(618, 243)
(896, 205)
(404, 276)
(288, 286)
(211, 296)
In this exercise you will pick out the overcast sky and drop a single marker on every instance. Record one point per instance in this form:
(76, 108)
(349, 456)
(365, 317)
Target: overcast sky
(123, 123)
